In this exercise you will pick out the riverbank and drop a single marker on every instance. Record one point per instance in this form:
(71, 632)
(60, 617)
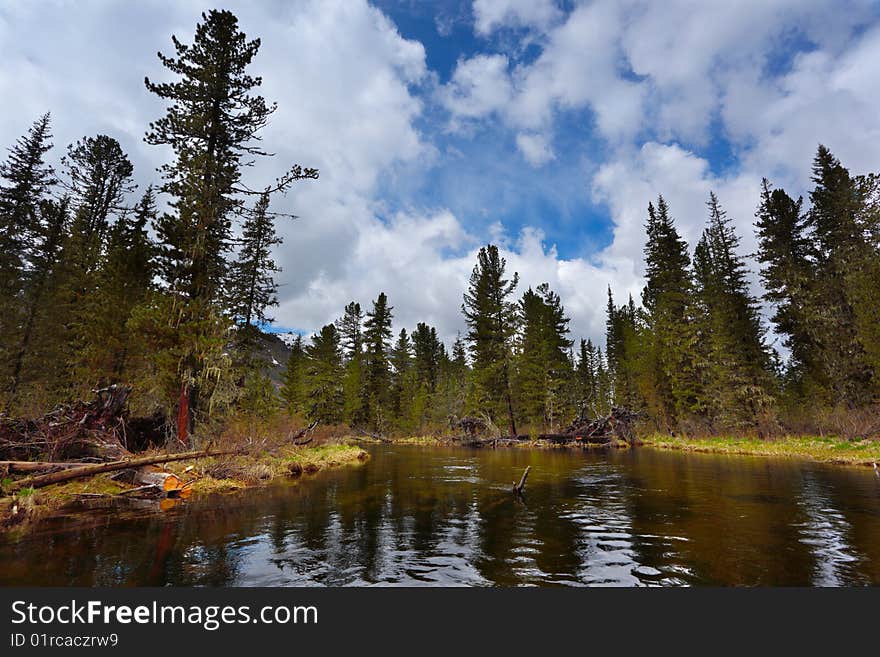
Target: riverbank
(816, 448)
(201, 476)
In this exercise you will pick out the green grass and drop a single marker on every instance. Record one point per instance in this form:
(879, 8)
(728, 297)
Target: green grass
(830, 450)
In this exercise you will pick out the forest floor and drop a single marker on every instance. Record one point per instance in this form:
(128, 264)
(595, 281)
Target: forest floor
(817, 448)
(206, 475)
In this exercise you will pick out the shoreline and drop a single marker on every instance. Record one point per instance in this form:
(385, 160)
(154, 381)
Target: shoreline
(863, 453)
(205, 477)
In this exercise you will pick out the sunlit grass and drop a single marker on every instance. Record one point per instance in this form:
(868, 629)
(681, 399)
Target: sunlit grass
(827, 449)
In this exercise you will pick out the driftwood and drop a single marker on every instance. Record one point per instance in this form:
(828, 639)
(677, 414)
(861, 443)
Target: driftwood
(25, 467)
(604, 428)
(600, 430)
(93, 429)
(39, 481)
(297, 438)
(518, 488)
(374, 436)
(472, 426)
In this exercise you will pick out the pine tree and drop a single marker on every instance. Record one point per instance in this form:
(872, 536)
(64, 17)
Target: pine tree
(350, 330)
(428, 351)
(98, 177)
(789, 277)
(25, 179)
(252, 289)
(350, 327)
(403, 381)
(668, 382)
(212, 125)
(840, 252)
(123, 280)
(543, 367)
(623, 353)
(293, 380)
(324, 400)
(52, 223)
(491, 321)
(740, 363)
(377, 379)
(587, 373)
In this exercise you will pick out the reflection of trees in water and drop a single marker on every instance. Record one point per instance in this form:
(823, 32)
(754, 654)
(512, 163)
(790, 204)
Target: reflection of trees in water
(740, 517)
(448, 516)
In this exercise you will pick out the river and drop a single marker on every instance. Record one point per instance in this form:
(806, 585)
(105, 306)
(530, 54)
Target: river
(444, 516)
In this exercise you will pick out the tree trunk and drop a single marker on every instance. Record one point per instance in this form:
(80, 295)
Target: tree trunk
(39, 481)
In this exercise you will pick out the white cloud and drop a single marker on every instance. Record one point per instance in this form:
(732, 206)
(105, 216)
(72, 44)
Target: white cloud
(656, 81)
(490, 15)
(535, 148)
(479, 87)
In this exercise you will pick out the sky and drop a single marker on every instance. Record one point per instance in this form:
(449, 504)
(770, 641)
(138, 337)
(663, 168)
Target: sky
(542, 126)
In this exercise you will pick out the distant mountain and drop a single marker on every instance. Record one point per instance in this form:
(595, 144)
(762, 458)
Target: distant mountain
(276, 350)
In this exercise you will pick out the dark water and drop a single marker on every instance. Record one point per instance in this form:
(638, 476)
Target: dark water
(420, 516)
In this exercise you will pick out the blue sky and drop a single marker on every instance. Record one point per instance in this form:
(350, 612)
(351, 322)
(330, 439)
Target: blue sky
(543, 126)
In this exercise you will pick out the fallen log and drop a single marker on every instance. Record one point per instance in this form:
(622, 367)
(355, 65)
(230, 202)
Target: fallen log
(374, 436)
(23, 467)
(39, 481)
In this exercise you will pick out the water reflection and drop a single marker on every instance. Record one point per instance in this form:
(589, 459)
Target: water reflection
(416, 517)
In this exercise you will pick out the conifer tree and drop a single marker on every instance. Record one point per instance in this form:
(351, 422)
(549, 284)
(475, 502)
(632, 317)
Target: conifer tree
(834, 220)
(543, 367)
(377, 372)
(323, 388)
(350, 327)
(98, 178)
(739, 361)
(491, 321)
(428, 351)
(252, 289)
(350, 330)
(122, 281)
(789, 277)
(52, 223)
(669, 380)
(212, 125)
(623, 353)
(403, 381)
(294, 380)
(25, 180)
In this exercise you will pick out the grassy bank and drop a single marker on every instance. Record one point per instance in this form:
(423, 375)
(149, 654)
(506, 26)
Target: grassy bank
(826, 450)
(221, 474)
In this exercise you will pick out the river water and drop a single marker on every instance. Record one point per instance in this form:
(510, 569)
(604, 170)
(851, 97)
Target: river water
(436, 516)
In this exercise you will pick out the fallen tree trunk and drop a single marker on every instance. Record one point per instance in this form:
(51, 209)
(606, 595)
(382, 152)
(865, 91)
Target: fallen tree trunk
(39, 481)
(23, 467)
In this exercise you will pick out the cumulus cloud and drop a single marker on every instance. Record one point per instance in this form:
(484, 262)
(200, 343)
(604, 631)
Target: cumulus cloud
(535, 148)
(489, 15)
(653, 90)
(479, 86)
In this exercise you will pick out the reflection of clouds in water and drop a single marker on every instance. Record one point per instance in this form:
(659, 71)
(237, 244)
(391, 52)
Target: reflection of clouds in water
(607, 543)
(825, 531)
